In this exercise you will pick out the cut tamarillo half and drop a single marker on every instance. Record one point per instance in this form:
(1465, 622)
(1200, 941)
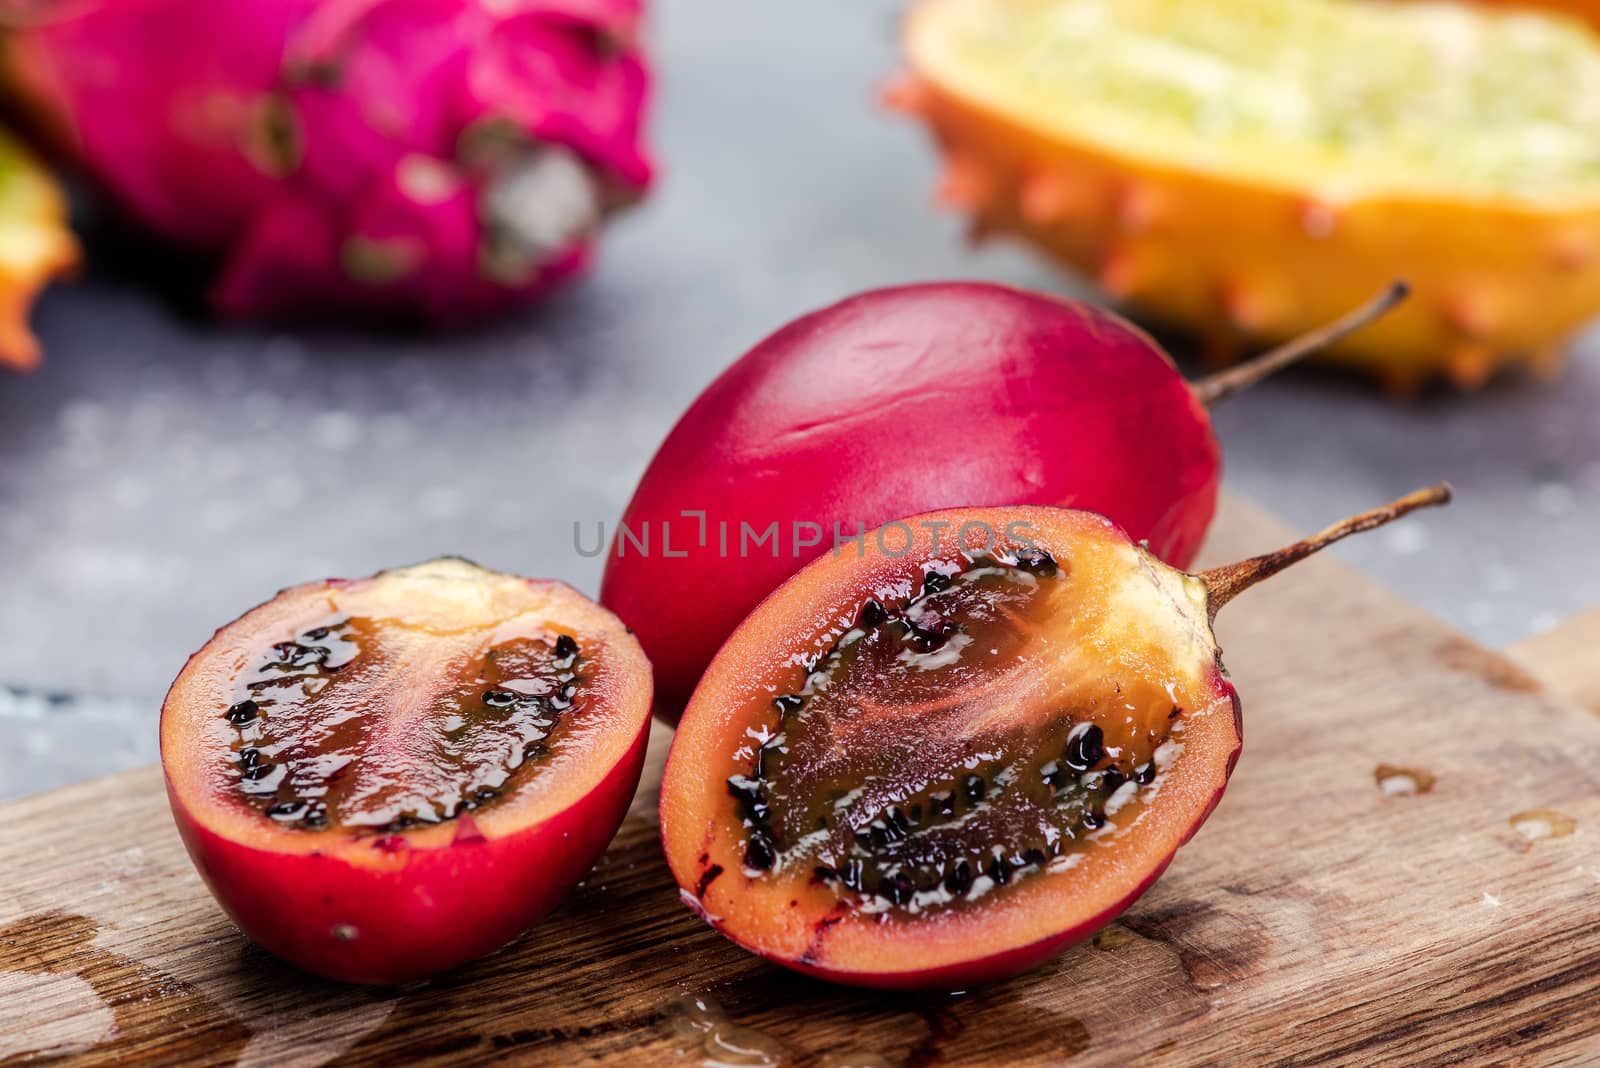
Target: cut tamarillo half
(948, 756)
(386, 777)
(907, 400)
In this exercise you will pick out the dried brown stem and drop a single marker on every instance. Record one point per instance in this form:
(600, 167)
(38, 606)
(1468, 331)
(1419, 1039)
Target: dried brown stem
(1224, 384)
(1225, 583)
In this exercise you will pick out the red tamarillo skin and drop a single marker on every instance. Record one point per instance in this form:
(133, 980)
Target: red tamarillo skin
(891, 403)
(384, 778)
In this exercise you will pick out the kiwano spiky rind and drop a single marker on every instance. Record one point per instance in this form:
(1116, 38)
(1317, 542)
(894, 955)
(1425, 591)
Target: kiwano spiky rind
(1139, 629)
(1243, 256)
(35, 247)
(414, 159)
(390, 904)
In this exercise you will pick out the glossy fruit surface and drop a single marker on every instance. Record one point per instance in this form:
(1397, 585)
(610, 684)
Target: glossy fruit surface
(434, 159)
(890, 403)
(35, 247)
(1248, 168)
(938, 762)
(383, 778)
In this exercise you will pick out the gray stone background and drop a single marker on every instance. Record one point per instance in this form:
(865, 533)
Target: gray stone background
(160, 474)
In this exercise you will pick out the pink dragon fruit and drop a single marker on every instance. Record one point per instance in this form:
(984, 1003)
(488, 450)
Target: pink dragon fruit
(433, 158)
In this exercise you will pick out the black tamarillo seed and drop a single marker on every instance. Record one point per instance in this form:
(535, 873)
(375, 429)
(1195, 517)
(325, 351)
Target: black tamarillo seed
(852, 873)
(243, 712)
(1094, 818)
(822, 873)
(959, 881)
(899, 823)
(758, 852)
(766, 755)
(943, 802)
(1085, 748)
(487, 793)
(1144, 773)
(1033, 856)
(930, 632)
(566, 647)
(872, 613)
(1111, 779)
(285, 809)
(250, 756)
(315, 818)
(1036, 561)
(748, 792)
(999, 870)
(316, 635)
(499, 698)
(936, 582)
(257, 771)
(897, 888)
(975, 788)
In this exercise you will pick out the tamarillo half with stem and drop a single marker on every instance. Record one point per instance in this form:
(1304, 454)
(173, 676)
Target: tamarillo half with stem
(944, 758)
(386, 777)
(906, 400)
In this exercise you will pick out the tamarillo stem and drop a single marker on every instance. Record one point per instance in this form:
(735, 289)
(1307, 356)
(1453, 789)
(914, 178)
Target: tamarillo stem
(1225, 583)
(1224, 384)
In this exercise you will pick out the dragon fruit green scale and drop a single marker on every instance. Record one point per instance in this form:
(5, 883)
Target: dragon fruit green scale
(439, 159)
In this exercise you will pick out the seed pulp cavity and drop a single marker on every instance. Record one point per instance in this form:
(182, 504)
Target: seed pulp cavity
(926, 759)
(348, 724)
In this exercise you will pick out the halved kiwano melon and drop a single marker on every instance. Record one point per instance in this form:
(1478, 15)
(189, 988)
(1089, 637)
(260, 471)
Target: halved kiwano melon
(1583, 9)
(1249, 168)
(35, 247)
(944, 757)
(386, 777)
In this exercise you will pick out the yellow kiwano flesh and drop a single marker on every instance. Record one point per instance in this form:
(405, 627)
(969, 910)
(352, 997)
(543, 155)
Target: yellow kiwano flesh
(35, 247)
(1251, 168)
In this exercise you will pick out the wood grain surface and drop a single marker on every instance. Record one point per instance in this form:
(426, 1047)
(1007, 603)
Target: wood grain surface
(1316, 919)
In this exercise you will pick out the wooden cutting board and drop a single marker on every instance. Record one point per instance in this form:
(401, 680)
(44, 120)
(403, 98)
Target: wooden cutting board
(1316, 918)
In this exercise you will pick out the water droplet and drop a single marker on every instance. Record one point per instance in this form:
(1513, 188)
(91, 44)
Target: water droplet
(704, 1032)
(1407, 539)
(1114, 937)
(1396, 781)
(1541, 823)
(730, 1044)
(1555, 499)
(691, 1015)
